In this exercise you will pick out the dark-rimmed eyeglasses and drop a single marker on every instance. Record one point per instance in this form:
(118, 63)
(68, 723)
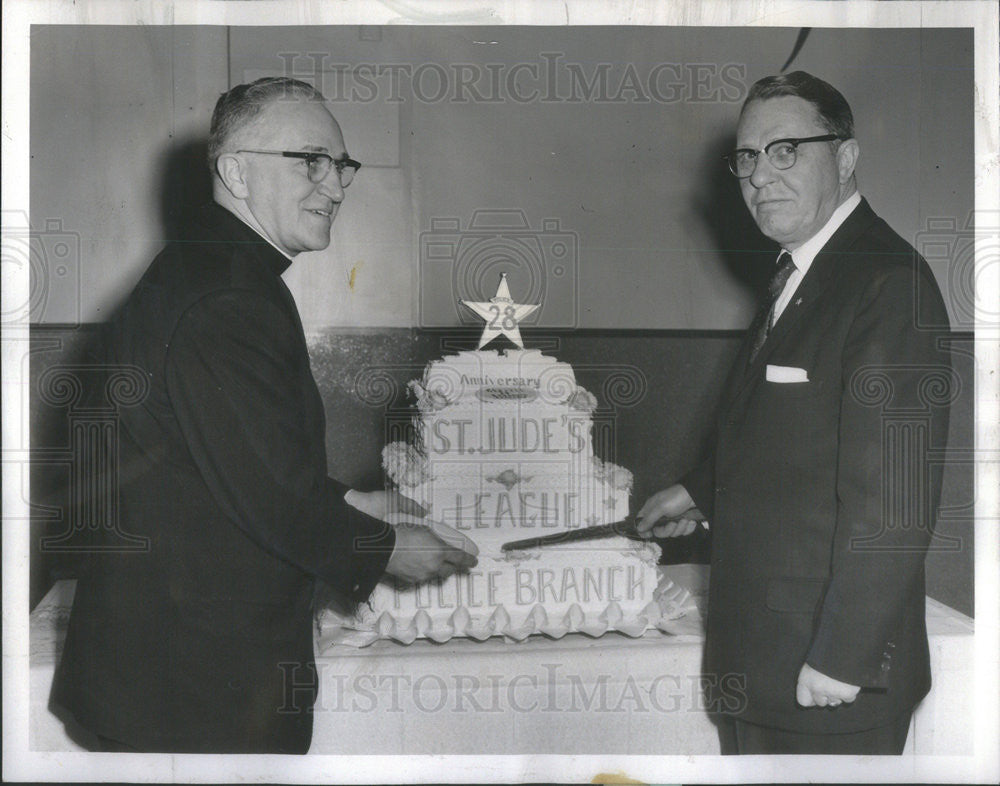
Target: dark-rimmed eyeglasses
(318, 165)
(781, 153)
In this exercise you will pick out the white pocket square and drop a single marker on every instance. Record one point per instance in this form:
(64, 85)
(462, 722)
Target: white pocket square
(786, 374)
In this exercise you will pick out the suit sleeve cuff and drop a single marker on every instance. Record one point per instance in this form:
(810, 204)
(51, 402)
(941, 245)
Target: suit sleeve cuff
(366, 544)
(370, 558)
(700, 486)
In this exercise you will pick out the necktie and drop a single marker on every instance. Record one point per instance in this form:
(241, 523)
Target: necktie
(784, 267)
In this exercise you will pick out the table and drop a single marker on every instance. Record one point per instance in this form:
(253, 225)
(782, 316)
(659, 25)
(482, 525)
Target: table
(576, 695)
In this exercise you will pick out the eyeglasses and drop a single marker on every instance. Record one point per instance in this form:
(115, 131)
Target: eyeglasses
(318, 164)
(781, 153)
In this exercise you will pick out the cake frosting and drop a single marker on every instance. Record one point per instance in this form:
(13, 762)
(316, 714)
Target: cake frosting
(503, 451)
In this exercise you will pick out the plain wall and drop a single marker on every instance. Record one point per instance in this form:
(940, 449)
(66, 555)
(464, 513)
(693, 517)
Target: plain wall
(118, 121)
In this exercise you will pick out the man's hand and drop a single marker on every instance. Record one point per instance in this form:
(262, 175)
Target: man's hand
(428, 549)
(669, 513)
(815, 689)
(383, 504)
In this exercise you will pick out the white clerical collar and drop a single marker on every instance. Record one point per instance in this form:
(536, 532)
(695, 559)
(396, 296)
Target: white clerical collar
(804, 255)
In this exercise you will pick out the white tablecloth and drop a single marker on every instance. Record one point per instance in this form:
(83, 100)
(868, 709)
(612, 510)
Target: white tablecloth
(576, 695)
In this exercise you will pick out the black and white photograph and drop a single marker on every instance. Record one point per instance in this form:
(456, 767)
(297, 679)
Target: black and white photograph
(412, 392)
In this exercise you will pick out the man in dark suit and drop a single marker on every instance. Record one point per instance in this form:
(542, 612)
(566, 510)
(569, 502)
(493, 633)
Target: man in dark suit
(203, 641)
(820, 505)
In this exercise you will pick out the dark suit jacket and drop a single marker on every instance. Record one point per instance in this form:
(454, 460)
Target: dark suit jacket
(203, 642)
(819, 495)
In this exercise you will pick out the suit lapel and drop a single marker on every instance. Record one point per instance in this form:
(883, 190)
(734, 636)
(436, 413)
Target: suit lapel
(812, 287)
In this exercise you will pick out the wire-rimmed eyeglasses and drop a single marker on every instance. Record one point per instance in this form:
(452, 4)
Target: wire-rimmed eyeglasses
(318, 165)
(781, 153)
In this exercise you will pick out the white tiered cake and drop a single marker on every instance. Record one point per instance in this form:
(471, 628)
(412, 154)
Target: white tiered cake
(503, 453)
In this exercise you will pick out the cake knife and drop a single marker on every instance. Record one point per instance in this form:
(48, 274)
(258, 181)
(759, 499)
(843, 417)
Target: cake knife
(625, 528)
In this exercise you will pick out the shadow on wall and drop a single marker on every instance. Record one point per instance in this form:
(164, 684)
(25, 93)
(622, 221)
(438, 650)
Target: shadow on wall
(186, 183)
(745, 252)
(182, 183)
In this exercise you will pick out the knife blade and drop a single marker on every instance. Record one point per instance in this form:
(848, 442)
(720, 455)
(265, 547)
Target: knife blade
(624, 528)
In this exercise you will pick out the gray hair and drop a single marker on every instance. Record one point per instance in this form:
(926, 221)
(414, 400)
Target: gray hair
(240, 106)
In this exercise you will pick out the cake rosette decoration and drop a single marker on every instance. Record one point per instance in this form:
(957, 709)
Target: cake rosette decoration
(406, 466)
(583, 400)
(429, 399)
(619, 477)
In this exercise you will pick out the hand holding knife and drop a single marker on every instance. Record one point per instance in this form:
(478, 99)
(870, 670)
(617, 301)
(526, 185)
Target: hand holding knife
(670, 513)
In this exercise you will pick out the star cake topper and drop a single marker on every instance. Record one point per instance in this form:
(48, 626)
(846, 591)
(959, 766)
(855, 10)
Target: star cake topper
(502, 315)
